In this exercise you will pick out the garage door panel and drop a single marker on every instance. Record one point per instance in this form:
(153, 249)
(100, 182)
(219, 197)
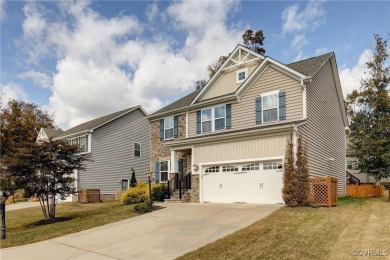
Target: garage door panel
(256, 186)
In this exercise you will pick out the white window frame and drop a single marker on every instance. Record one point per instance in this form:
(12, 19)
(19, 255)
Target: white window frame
(238, 80)
(173, 127)
(212, 119)
(128, 183)
(277, 105)
(77, 141)
(140, 154)
(168, 170)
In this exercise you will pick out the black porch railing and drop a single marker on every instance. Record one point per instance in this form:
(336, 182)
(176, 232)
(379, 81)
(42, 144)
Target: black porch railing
(352, 179)
(178, 184)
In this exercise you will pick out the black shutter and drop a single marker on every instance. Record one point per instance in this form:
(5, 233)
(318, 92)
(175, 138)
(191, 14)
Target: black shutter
(161, 129)
(258, 110)
(228, 116)
(175, 127)
(198, 121)
(282, 105)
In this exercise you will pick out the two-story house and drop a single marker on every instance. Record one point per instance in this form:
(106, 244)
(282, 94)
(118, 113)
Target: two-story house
(112, 145)
(231, 135)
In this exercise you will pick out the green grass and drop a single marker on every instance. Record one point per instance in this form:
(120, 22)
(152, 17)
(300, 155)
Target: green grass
(308, 233)
(83, 216)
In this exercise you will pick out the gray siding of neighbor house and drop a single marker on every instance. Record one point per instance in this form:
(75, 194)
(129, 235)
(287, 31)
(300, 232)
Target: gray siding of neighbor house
(113, 153)
(324, 129)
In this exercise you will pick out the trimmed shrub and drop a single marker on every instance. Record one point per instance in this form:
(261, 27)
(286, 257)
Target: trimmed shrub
(141, 208)
(133, 181)
(159, 191)
(136, 194)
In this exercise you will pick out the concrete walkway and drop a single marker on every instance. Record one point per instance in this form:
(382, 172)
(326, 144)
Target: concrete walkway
(163, 234)
(24, 205)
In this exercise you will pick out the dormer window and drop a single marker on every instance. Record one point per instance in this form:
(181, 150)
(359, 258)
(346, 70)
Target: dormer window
(241, 75)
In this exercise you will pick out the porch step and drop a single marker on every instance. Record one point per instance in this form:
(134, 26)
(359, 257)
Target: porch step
(174, 200)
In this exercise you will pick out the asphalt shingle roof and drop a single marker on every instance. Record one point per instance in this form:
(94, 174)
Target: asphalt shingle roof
(183, 102)
(51, 133)
(307, 67)
(311, 65)
(94, 123)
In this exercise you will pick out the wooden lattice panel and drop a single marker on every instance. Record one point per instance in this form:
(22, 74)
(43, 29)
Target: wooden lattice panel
(89, 195)
(323, 191)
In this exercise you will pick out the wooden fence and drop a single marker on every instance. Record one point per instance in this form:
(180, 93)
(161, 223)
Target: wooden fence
(365, 191)
(323, 191)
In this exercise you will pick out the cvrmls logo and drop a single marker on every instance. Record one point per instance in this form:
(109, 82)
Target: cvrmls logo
(370, 252)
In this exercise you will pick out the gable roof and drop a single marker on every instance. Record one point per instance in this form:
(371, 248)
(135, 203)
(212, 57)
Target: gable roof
(183, 102)
(307, 67)
(51, 133)
(95, 123)
(310, 66)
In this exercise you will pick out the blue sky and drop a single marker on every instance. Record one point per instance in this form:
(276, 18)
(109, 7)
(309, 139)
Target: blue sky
(83, 59)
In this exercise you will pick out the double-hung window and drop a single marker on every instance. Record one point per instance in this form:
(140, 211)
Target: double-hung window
(212, 119)
(81, 141)
(137, 150)
(124, 184)
(219, 117)
(164, 168)
(270, 107)
(207, 120)
(168, 127)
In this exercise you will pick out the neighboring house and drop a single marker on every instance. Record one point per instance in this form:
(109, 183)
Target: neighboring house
(353, 169)
(112, 145)
(232, 134)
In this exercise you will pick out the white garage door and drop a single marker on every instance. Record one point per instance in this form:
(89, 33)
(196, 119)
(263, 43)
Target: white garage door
(259, 182)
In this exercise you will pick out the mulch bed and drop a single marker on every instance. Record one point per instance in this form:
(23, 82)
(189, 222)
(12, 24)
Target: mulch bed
(43, 222)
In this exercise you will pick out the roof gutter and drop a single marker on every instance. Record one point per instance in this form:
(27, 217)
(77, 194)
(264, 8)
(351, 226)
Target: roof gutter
(231, 97)
(74, 134)
(230, 136)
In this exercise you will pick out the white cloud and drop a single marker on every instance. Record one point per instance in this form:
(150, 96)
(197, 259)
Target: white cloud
(350, 77)
(39, 79)
(10, 91)
(298, 23)
(3, 14)
(105, 64)
(152, 11)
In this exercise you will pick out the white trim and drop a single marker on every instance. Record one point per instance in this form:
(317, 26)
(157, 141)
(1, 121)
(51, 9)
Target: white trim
(242, 161)
(90, 142)
(304, 97)
(173, 127)
(212, 119)
(240, 64)
(275, 92)
(217, 74)
(168, 170)
(128, 183)
(186, 124)
(174, 160)
(140, 150)
(238, 80)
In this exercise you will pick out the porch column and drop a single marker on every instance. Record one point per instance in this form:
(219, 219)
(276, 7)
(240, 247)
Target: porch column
(173, 161)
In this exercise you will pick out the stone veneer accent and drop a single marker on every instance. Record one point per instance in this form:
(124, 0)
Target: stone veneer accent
(159, 151)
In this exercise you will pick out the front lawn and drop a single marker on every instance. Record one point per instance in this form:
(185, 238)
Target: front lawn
(308, 233)
(82, 216)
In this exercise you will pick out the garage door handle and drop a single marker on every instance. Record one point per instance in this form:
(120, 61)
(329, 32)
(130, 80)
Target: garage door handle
(261, 185)
(220, 186)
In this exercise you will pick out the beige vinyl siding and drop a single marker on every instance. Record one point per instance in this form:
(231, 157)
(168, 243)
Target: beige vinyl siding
(266, 146)
(324, 130)
(227, 83)
(244, 114)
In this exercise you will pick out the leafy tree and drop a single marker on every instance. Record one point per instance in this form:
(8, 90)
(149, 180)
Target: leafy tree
(296, 174)
(253, 40)
(133, 181)
(369, 115)
(20, 123)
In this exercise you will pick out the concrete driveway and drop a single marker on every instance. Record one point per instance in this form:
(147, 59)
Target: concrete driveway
(163, 234)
